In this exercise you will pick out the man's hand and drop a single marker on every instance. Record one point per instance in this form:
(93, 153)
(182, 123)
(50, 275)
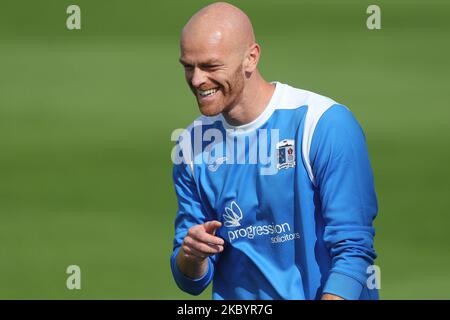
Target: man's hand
(328, 296)
(199, 243)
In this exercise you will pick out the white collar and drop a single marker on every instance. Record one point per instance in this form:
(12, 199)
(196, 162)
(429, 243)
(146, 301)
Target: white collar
(261, 119)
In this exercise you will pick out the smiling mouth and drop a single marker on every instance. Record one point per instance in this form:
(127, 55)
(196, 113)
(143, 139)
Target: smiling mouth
(207, 93)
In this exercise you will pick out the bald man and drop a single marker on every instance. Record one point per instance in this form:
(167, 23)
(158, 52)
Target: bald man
(296, 223)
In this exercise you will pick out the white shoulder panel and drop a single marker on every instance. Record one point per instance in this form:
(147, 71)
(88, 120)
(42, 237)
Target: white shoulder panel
(292, 98)
(317, 105)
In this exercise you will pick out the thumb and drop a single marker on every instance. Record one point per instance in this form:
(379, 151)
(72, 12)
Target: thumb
(212, 226)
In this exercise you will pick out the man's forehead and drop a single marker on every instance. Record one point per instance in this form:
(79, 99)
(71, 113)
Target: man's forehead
(203, 52)
(204, 41)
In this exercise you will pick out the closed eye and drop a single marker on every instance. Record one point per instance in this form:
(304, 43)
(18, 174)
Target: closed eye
(185, 64)
(210, 66)
(188, 66)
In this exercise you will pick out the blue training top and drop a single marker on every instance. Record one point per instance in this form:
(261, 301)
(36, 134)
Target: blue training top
(295, 194)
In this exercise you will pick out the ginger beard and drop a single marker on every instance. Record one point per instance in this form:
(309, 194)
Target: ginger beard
(220, 95)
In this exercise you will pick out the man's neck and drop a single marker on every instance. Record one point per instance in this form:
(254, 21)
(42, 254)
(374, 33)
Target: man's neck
(256, 97)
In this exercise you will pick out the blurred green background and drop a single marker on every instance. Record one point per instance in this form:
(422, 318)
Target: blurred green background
(86, 118)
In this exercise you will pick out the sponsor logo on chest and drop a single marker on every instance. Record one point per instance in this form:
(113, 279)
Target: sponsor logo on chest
(278, 233)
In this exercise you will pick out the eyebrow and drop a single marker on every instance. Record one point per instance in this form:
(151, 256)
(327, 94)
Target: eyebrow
(183, 62)
(208, 62)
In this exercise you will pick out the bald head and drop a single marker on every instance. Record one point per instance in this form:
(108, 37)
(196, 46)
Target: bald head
(220, 25)
(220, 58)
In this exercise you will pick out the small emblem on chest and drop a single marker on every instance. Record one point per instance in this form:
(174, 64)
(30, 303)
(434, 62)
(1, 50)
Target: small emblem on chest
(286, 154)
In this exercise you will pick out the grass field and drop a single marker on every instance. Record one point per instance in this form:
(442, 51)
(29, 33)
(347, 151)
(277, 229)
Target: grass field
(86, 118)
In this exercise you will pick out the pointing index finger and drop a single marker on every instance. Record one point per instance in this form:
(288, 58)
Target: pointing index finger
(212, 226)
(205, 237)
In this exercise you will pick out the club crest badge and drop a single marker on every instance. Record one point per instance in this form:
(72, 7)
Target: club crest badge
(286, 154)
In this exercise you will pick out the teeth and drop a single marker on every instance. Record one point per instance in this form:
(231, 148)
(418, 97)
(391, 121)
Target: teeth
(205, 93)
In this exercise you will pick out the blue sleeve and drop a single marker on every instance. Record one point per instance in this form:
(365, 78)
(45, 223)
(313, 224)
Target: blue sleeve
(190, 213)
(343, 176)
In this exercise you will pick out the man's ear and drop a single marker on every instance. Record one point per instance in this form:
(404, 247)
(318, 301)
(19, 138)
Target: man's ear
(251, 61)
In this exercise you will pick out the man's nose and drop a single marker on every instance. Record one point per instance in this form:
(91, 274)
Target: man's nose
(198, 77)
